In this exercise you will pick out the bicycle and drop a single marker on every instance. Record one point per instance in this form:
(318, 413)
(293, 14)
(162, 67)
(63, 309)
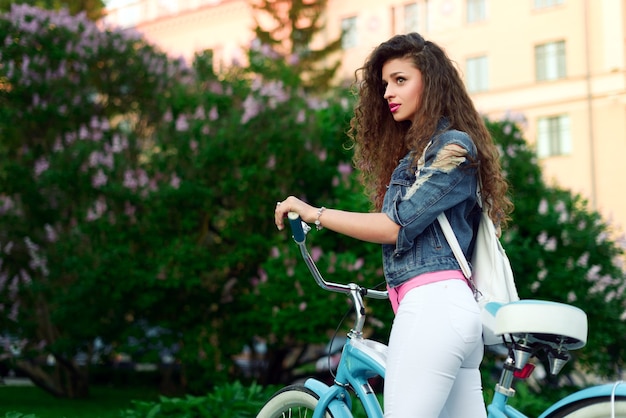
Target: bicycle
(527, 326)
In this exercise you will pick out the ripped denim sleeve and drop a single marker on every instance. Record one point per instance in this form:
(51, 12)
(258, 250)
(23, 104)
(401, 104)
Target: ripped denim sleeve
(444, 181)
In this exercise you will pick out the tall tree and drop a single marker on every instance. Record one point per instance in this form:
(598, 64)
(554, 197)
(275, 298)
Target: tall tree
(290, 33)
(94, 9)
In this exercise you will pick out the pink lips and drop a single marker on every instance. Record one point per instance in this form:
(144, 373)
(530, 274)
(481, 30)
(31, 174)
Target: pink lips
(394, 107)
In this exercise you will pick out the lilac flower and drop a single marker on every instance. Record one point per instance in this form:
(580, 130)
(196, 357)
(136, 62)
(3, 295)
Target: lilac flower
(142, 178)
(107, 159)
(274, 252)
(216, 88)
(181, 123)
(199, 113)
(593, 273)
(14, 287)
(251, 109)
(542, 274)
(58, 145)
(13, 314)
(542, 238)
(97, 210)
(51, 234)
(345, 169)
(571, 297)
(70, 137)
(129, 209)
(543, 207)
(213, 115)
(6, 204)
(41, 165)
(358, 264)
(510, 151)
(301, 117)
(26, 279)
(99, 179)
(271, 162)
(37, 262)
(583, 260)
(94, 123)
(119, 143)
(550, 245)
(130, 182)
(175, 181)
(94, 159)
(83, 133)
(316, 253)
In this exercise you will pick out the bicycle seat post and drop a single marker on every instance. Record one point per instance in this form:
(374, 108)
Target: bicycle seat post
(504, 386)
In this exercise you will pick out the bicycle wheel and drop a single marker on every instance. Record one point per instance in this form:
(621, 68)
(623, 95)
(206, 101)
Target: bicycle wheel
(599, 407)
(293, 401)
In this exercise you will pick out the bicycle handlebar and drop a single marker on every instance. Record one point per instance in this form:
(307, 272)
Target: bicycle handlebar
(299, 230)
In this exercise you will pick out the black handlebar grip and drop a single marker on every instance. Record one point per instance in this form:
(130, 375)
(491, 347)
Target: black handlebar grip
(296, 227)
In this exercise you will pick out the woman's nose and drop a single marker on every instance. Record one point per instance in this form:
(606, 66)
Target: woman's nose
(388, 93)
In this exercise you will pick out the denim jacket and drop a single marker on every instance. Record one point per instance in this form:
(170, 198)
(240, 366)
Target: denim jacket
(414, 200)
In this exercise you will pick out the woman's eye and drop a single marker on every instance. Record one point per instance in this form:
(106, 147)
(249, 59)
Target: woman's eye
(400, 80)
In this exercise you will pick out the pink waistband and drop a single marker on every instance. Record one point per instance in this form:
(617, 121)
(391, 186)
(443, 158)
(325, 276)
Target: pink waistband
(397, 293)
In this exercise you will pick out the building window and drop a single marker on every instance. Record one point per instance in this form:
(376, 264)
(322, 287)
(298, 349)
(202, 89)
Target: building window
(553, 136)
(542, 4)
(550, 61)
(476, 11)
(411, 18)
(477, 74)
(348, 33)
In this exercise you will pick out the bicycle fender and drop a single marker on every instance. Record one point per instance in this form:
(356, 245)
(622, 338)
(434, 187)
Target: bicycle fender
(334, 398)
(616, 388)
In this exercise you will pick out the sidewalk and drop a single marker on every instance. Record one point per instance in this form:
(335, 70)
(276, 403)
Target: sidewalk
(15, 381)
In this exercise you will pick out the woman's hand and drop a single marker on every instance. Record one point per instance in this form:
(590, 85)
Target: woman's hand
(307, 212)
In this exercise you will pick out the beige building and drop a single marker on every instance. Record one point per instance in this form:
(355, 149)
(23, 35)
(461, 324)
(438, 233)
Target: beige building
(559, 64)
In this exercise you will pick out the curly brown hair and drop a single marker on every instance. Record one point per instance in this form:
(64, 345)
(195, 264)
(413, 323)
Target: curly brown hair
(380, 142)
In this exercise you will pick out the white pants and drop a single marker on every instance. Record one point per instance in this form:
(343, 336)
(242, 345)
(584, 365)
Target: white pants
(435, 349)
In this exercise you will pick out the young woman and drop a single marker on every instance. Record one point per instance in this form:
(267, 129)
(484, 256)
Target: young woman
(421, 148)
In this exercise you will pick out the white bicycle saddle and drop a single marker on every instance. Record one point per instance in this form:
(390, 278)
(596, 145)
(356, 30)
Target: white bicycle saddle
(544, 321)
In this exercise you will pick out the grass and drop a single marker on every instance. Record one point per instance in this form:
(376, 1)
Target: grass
(104, 402)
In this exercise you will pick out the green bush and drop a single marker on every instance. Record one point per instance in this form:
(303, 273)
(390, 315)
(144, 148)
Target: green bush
(228, 400)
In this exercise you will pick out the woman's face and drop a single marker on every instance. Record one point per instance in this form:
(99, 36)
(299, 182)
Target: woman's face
(403, 88)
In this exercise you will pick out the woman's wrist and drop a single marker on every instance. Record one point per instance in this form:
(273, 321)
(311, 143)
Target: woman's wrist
(318, 221)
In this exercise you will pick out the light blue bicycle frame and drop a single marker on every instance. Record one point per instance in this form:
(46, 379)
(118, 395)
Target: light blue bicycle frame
(362, 359)
(357, 366)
